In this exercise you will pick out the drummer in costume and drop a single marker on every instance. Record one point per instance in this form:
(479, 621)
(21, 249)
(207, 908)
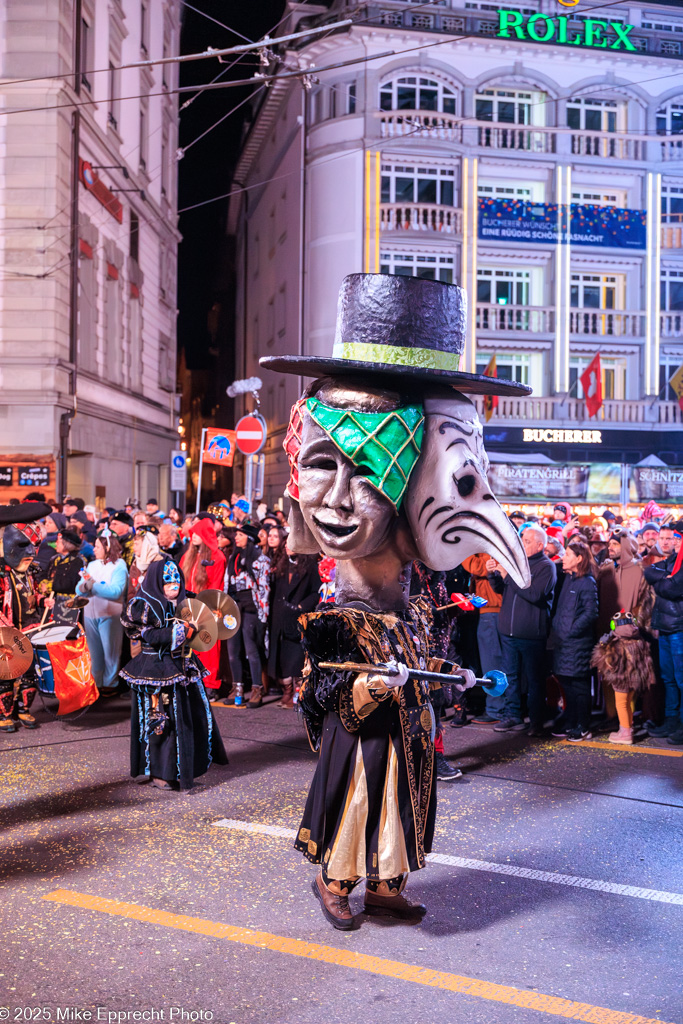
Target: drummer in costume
(63, 576)
(359, 438)
(174, 737)
(19, 603)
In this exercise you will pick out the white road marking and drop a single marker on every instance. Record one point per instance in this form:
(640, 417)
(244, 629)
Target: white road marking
(575, 881)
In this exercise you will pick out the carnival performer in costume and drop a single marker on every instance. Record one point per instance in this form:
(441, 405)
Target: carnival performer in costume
(19, 603)
(380, 416)
(174, 737)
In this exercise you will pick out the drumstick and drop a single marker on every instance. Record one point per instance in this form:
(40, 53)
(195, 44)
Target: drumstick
(42, 621)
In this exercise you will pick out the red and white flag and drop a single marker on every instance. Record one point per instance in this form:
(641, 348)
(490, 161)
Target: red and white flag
(591, 382)
(490, 401)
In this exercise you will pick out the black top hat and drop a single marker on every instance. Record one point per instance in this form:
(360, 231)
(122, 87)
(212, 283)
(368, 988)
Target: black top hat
(403, 327)
(27, 512)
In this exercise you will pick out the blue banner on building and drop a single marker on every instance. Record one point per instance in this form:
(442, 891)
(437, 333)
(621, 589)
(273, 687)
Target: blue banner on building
(517, 220)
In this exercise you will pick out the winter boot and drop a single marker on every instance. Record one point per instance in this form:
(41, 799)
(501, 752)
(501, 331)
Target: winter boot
(624, 735)
(287, 700)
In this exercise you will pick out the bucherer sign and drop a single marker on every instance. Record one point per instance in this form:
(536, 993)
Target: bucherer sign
(542, 28)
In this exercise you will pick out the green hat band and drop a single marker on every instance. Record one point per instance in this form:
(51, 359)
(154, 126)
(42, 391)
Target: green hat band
(385, 444)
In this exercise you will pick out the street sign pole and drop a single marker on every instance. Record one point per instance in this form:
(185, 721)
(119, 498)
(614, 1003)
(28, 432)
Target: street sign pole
(199, 479)
(249, 479)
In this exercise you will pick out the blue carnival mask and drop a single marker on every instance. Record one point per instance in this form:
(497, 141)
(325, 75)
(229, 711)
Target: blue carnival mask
(171, 575)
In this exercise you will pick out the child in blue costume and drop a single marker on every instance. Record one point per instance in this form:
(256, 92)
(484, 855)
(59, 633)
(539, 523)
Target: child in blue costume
(174, 737)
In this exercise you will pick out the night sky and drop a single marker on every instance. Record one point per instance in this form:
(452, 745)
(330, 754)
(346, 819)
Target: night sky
(206, 170)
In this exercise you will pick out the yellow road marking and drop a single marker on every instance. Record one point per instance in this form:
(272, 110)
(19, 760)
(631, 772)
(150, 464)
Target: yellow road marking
(631, 749)
(359, 961)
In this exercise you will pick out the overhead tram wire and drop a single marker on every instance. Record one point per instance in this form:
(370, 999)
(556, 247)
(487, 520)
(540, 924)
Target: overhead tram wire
(182, 58)
(216, 21)
(297, 73)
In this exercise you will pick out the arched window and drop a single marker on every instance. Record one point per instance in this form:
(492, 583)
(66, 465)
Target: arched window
(670, 119)
(413, 92)
(588, 113)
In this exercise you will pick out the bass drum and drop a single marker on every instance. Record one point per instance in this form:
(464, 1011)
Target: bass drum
(63, 668)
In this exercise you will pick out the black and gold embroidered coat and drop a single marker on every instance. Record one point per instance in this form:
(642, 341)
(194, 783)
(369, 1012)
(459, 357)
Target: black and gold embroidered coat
(371, 808)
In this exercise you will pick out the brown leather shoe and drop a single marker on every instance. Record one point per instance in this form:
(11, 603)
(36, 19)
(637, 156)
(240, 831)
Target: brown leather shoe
(256, 698)
(393, 906)
(334, 906)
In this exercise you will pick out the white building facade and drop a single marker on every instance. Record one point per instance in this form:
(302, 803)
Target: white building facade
(386, 166)
(88, 248)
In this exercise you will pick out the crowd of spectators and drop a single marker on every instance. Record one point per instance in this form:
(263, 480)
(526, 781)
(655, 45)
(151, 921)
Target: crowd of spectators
(594, 643)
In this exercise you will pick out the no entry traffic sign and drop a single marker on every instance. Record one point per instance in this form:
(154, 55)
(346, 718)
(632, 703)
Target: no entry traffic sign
(251, 433)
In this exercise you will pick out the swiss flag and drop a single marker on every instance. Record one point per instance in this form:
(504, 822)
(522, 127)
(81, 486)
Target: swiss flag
(591, 382)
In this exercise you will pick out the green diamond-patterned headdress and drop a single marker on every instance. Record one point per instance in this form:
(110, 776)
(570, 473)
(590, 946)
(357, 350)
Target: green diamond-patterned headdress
(387, 444)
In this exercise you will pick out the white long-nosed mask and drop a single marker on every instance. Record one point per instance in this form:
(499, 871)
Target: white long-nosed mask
(449, 505)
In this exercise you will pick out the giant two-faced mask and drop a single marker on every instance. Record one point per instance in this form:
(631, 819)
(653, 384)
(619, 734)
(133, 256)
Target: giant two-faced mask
(449, 505)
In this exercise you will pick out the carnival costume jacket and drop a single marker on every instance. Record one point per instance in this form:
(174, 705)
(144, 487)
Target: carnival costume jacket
(173, 731)
(372, 805)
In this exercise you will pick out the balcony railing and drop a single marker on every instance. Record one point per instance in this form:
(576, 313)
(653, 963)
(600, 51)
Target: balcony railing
(607, 323)
(565, 411)
(421, 217)
(535, 319)
(609, 145)
(513, 136)
(419, 122)
(502, 136)
(672, 325)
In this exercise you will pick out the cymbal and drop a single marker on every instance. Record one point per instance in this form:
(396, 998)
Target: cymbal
(16, 653)
(225, 611)
(76, 602)
(199, 615)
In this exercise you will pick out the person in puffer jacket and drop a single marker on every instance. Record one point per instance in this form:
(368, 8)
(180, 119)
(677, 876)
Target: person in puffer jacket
(666, 577)
(572, 639)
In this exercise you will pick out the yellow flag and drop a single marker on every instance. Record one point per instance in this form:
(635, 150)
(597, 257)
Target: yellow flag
(676, 383)
(490, 401)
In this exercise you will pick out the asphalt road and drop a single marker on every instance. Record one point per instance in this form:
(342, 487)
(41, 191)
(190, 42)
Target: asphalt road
(556, 891)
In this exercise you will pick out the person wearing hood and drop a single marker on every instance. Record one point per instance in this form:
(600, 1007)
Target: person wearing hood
(146, 551)
(203, 566)
(621, 583)
(247, 581)
(54, 523)
(174, 737)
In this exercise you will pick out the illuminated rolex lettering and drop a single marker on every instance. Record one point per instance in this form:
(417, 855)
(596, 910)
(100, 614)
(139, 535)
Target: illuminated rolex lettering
(542, 28)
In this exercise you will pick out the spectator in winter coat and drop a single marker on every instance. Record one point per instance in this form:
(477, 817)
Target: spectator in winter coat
(573, 639)
(523, 623)
(650, 537)
(666, 578)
